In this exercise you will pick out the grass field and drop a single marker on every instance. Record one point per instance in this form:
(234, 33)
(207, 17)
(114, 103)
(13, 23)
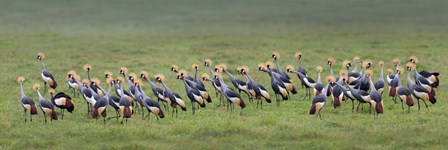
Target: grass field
(153, 35)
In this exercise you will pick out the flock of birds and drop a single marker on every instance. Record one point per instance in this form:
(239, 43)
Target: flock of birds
(356, 85)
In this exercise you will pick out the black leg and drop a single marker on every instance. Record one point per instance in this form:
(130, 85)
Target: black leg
(402, 106)
(418, 102)
(353, 105)
(25, 114)
(45, 117)
(45, 88)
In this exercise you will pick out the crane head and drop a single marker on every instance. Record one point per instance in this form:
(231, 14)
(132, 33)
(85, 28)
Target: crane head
(108, 74)
(290, 68)
(195, 66)
(20, 79)
(396, 62)
(331, 61)
(143, 74)
(159, 78)
(346, 64)
(413, 59)
(298, 55)
(87, 67)
(275, 55)
(207, 62)
(123, 71)
(40, 56)
(174, 68)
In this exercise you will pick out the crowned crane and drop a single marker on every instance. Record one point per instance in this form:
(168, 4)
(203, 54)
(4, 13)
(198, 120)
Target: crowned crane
(195, 67)
(404, 94)
(46, 107)
(308, 81)
(301, 70)
(278, 69)
(192, 92)
(113, 100)
(83, 89)
(88, 69)
(354, 76)
(330, 63)
(216, 84)
(158, 92)
(360, 95)
(100, 106)
(376, 101)
(151, 105)
(94, 97)
(62, 101)
(232, 96)
(255, 89)
(364, 82)
(125, 104)
(276, 56)
(319, 87)
(391, 73)
(132, 77)
(46, 76)
(73, 84)
(27, 103)
(175, 98)
(240, 85)
(319, 101)
(379, 85)
(419, 79)
(131, 88)
(287, 82)
(194, 83)
(389, 76)
(277, 85)
(337, 93)
(394, 83)
(418, 91)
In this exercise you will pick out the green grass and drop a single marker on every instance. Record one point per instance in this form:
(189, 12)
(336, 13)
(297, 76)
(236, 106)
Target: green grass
(154, 35)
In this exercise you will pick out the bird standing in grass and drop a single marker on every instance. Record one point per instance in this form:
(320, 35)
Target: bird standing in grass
(100, 106)
(62, 101)
(277, 85)
(216, 84)
(301, 70)
(320, 100)
(278, 70)
(196, 79)
(240, 85)
(379, 85)
(418, 91)
(255, 89)
(192, 92)
(27, 103)
(46, 107)
(308, 81)
(319, 87)
(232, 96)
(151, 105)
(403, 93)
(173, 97)
(125, 103)
(158, 92)
(376, 101)
(113, 100)
(330, 62)
(72, 84)
(419, 79)
(88, 69)
(46, 76)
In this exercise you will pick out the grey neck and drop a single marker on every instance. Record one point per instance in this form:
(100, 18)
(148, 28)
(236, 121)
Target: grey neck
(331, 69)
(211, 70)
(42, 65)
(22, 93)
(318, 78)
(382, 72)
(88, 76)
(41, 98)
(278, 66)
